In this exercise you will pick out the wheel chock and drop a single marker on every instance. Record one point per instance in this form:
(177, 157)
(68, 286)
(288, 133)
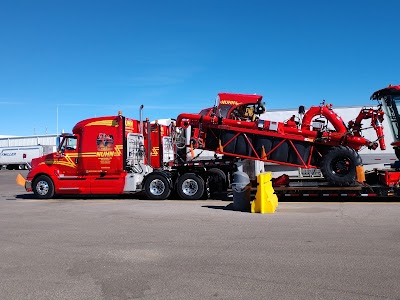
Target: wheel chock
(20, 180)
(266, 200)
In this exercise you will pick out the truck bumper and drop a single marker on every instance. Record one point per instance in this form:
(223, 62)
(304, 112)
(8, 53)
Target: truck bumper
(28, 186)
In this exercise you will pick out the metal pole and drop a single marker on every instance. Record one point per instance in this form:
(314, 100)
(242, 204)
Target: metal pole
(141, 118)
(149, 145)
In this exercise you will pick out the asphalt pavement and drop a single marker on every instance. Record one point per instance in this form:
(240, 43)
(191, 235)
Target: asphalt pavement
(127, 248)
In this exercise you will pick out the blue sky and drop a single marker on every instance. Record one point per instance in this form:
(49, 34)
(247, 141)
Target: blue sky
(93, 58)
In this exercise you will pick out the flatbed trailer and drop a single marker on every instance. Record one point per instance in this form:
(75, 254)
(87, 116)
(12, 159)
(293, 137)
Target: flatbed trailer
(317, 187)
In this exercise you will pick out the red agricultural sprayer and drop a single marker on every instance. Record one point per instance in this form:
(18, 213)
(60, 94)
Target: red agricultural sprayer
(317, 138)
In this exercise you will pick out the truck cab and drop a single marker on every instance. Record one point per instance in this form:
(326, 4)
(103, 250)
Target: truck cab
(390, 99)
(102, 155)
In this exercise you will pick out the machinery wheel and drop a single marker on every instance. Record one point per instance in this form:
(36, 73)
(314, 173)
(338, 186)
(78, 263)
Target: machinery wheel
(217, 180)
(227, 136)
(339, 166)
(43, 187)
(157, 187)
(190, 186)
(359, 159)
(265, 142)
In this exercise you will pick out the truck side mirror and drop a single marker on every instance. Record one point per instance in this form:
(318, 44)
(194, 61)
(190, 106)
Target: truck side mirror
(60, 151)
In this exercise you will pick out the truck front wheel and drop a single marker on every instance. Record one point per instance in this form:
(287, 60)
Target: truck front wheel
(190, 186)
(157, 187)
(43, 187)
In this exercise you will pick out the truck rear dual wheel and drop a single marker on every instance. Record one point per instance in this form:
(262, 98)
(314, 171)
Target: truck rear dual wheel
(157, 187)
(190, 186)
(43, 187)
(217, 180)
(339, 165)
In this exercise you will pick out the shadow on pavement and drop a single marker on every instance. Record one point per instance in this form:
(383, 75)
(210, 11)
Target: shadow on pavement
(220, 207)
(227, 207)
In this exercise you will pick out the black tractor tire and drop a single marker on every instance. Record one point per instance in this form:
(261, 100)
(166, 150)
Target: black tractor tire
(157, 187)
(266, 142)
(226, 137)
(338, 166)
(43, 187)
(217, 180)
(281, 153)
(190, 186)
(243, 145)
(358, 158)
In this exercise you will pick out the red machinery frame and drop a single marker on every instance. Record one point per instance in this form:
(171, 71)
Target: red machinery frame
(292, 143)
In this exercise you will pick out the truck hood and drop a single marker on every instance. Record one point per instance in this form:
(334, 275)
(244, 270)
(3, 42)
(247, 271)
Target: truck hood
(42, 159)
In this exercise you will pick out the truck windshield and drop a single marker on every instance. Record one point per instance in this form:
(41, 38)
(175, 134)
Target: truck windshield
(68, 143)
(392, 111)
(223, 110)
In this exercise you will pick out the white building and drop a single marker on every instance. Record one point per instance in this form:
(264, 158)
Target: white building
(33, 140)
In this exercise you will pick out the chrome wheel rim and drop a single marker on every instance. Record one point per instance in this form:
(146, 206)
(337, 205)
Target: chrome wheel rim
(190, 187)
(42, 188)
(157, 187)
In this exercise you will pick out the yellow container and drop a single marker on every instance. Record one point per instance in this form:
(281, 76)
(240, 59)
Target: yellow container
(266, 200)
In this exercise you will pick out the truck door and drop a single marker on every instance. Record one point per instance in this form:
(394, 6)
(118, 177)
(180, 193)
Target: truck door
(72, 179)
(103, 147)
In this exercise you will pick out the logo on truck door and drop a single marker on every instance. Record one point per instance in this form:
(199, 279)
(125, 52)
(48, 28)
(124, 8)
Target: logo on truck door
(105, 142)
(105, 148)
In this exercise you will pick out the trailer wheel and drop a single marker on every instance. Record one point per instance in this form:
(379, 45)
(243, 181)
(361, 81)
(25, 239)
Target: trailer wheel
(217, 180)
(43, 187)
(190, 186)
(339, 166)
(157, 187)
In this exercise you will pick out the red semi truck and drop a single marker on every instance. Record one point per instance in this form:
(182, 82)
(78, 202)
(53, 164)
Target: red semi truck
(118, 155)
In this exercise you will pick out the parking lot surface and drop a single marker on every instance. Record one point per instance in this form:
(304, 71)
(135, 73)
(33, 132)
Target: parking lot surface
(126, 248)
